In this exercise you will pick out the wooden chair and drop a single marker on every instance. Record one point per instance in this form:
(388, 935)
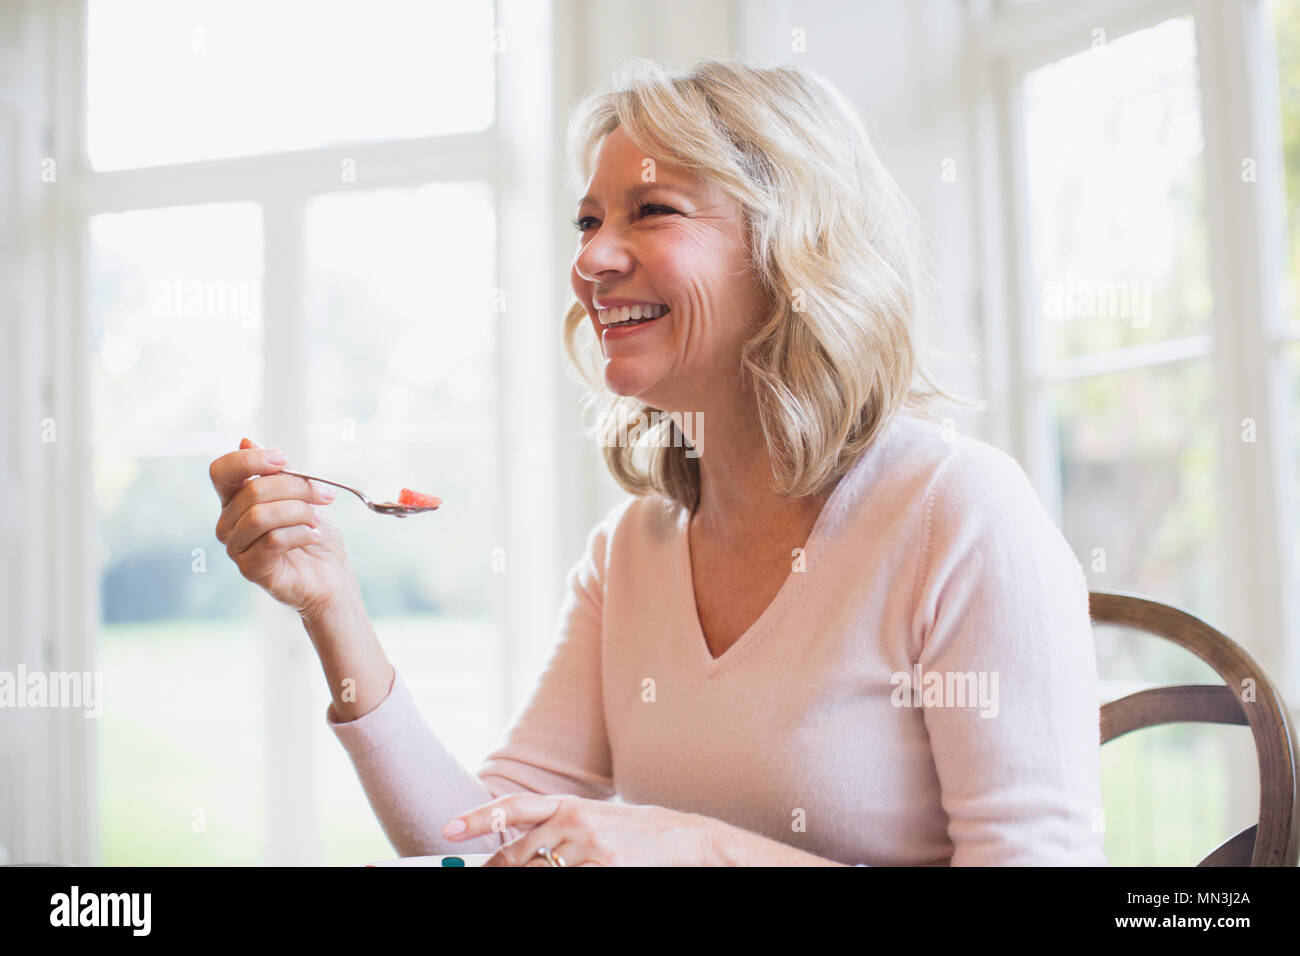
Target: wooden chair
(1275, 839)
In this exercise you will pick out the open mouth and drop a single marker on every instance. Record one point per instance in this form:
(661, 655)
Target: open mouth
(628, 316)
(631, 322)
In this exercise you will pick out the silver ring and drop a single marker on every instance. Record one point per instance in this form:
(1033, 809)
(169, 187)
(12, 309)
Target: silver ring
(559, 860)
(545, 852)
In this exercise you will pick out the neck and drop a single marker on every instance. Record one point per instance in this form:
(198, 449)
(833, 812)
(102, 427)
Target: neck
(738, 498)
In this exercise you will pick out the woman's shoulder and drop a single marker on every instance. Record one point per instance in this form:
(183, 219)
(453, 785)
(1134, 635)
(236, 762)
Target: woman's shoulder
(942, 487)
(940, 463)
(978, 507)
(640, 522)
(915, 460)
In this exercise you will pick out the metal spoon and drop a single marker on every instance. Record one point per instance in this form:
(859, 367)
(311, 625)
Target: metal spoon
(382, 507)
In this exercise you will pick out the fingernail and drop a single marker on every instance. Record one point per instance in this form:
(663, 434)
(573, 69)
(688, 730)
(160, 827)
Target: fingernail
(276, 457)
(453, 827)
(320, 515)
(326, 492)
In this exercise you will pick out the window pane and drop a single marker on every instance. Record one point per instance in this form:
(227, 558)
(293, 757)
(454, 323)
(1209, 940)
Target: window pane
(173, 81)
(1166, 792)
(1165, 789)
(175, 310)
(402, 392)
(1139, 483)
(1116, 194)
(399, 297)
(181, 766)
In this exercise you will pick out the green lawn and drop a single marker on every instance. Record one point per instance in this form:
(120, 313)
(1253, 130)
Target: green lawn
(180, 737)
(1166, 793)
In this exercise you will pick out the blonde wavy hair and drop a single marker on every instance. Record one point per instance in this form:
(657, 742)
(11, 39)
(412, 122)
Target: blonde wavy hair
(831, 238)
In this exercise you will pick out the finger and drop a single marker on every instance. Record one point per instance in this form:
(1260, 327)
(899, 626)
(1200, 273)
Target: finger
(261, 557)
(270, 488)
(567, 851)
(518, 809)
(265, 517)
(523, 850)
(229, 472)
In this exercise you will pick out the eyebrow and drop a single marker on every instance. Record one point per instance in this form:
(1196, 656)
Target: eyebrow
(639, 190)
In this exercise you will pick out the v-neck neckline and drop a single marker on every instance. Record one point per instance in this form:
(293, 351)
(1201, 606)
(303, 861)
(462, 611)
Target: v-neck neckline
(777, 607)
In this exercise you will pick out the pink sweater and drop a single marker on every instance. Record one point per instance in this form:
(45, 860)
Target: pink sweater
(922, 689)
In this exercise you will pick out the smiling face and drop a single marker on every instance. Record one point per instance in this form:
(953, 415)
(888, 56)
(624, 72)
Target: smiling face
(677, 242)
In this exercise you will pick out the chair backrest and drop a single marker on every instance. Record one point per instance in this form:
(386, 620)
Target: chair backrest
(1247, 697)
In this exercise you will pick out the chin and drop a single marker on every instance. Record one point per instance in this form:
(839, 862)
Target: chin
(631, 378)
(627, 386)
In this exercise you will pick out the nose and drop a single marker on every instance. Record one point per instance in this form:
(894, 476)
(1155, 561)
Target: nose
(602, 255)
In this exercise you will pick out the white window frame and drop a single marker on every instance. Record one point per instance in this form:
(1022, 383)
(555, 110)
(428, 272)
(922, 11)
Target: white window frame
(1238, 84)
(1238, 107)
(518, 158)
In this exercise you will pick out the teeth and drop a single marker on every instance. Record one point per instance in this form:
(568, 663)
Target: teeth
(628, 312)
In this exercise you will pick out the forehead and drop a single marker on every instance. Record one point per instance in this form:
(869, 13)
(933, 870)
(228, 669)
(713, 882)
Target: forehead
(622, 167)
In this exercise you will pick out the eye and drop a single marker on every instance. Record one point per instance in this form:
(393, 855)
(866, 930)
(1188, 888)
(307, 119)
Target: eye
(646, 208)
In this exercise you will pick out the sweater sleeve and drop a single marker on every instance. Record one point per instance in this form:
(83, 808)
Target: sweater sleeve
(413, 783)
(556, 744)
(1002, 614)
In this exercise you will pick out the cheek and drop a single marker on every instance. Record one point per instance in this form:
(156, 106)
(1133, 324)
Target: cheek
(689, 268)
(697, 246)
(708, 262)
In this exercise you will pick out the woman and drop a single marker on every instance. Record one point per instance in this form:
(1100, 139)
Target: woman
(834, 633)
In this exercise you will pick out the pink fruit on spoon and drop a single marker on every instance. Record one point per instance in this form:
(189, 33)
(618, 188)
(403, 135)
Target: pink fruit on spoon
(413, 499)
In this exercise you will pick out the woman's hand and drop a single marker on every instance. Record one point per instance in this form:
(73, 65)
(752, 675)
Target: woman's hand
(589, 832)
(267, 527)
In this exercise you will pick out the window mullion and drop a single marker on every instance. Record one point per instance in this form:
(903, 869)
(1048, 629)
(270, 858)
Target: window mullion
(992, 242)
(1132, 358)
(1027, 36)
(528, 344)
(1033, 429)
(450, 157)
(291, 692)
(1244, 271)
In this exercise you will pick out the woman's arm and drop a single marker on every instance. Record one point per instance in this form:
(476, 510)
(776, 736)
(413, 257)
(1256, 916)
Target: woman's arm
(357, 670)
(413, 783)
(1002, 620)
(556, 744)
(409, 778)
